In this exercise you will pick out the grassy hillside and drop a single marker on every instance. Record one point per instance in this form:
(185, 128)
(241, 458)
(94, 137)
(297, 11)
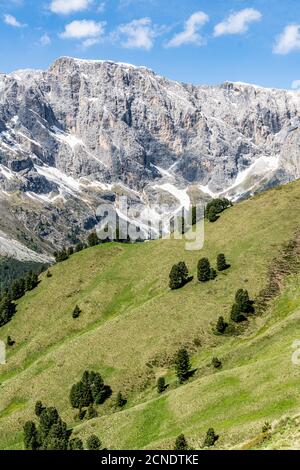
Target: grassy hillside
(132, 324)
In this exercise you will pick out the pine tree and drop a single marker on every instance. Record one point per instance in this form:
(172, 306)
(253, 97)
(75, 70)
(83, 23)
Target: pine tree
(181, 443)
(31, 281)
(31, 440)
(221, 262)
(211, 438)
(9, 341)
(93, 443)
(70, 251)
(93, 239)
(7, 309)
(75, 444)
(243, 300)
(204, 270)
(179, 276)
(76, 312)
(182, 365)
(221, 325)
(161, 384)
(39, 408)
(217, 364)
(236, 313)
(120, 400)
(18, 289)
(212, 215)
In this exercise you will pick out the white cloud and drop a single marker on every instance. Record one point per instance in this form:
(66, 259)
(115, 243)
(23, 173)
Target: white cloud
(190, 34)
(83, 29)
(138, 34)
(296, 85)
(289, 40)
(12, 21)
(101, 7)
(45, 40)
(65, 7)
(237, 23)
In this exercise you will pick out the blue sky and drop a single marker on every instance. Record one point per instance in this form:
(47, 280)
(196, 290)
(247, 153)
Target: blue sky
(198, 41)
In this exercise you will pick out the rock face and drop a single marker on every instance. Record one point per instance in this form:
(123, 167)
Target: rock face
(82, 131)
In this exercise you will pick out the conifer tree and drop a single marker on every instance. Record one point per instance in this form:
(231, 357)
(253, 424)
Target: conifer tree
(211, 438)
(221, 325)
(93, 443)
(161, 384)
(76, 312)
(93, 239)
(39, 408)
(204, 270)
(31, 440)
(75, 444)
(179, 276)
(221, 262)
(7, 309)
(182, 365)
(120, 400)
(181, 443)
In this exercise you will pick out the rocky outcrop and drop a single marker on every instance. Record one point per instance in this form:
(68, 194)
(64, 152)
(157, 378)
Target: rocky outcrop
(83, 131)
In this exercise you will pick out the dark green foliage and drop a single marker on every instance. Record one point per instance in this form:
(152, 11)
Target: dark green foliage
(31, 440)
(90, 390)
(212, 215)
(70, 251)
(61, 255)
(75, 444)
(213, 274)
(161, 384)
(120, 400)
(93, 443)
(181, 443)
(18, 289)
(221, 325)
(182, 365)
(242, 307)
(79, 247)
(215, 207)
(217, 364)
(39, 408)
(53, 432)
(49, 274)
(91, 412)
(179, 276)
(93, 239)
(221, 262)
(10, 342)
(211, 438)
(76, 312)
(236, 314)
(204, 270)
(12, 269)
(31, 281)
(7, 309)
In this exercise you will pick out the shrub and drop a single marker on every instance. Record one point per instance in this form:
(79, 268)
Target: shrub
(211, 438)
(181, 443)
(182, 365)
(161, 384)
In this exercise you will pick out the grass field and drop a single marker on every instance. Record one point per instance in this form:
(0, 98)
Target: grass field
(132, 324)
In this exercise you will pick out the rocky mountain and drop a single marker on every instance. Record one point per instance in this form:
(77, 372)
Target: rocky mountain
(80, 133)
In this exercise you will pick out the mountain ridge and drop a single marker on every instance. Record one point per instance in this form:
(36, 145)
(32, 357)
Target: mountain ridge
(83, 131)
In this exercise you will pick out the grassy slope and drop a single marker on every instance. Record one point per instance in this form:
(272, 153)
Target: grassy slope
(132, 324)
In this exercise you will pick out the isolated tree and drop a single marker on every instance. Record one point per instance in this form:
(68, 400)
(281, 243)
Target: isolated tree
(49, 274)
(93, 239)
(93, 443)
(75, 444)
(221, 325)
(9, 341)
(179, 275)
(31, 440)
(217, 364)
(182, 365)
(120, 400)
(221, 262)
(161, 384)
(76, 312)
(211, 438)
(181, 443)
(204, 270)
